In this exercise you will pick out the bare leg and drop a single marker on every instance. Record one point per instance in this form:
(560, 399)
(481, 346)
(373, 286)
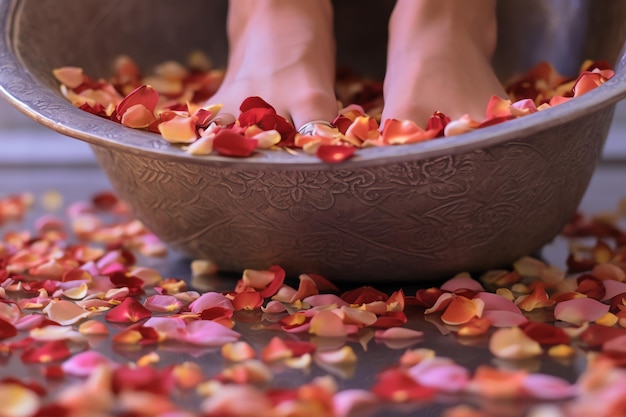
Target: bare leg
(284, 52)
(439, 58)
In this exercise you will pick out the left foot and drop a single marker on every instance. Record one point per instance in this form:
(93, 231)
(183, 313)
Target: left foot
(439, 59)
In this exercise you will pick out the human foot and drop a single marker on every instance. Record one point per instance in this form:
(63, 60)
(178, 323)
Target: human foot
(439, 59)
(284, 52)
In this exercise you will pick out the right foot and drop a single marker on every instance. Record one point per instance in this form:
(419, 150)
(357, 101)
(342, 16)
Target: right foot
(284, 52)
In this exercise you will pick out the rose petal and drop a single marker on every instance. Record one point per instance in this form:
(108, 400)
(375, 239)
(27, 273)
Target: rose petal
(513, 343)
(504, 318)
(144, 95)
(441, 374)
(548, 387)
(398, 333)
(353, 402)
(84, 364)
(327, 324)
(210, 333)
(462, 282)
(7, 330)
(129, 311)
(208, 300)
(613, 288)
(48, 352)
(229, 143)
(238, 351)
(65, 312)
(545, 334)
(93, 328)
(579, 310)
(538, 298)
(163, 303)
(342, 356)
(137, 116)
(397, 386)
(247, 301)
(18, 401)
(180, 129)
(461, 310)
(72, 77)
(335, 153)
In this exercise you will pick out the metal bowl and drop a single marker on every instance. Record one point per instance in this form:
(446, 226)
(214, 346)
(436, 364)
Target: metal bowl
(411, 212)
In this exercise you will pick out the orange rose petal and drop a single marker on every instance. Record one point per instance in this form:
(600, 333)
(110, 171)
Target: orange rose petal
(529, 267)
(247, 301)
(498, 107)
(266, 139)
(238, 351)
(538, 298)
(180, 129)
(461, 310)
(363, 128)
(188, 375)
(93, 328)
(18, 401)
(341, 356)
(493, 383)
(327, 324)
(475, 327)
(138, 117)
(512, 343)
(72, 77)
(275, 350)
(257, 279)
(362, 318)
(396, 132)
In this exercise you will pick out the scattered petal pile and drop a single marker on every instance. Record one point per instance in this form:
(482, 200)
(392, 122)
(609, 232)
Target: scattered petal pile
(175, 102)
(73, 286)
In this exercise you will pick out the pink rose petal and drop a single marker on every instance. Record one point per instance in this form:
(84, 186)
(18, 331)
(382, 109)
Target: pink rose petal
(548, 387)
(398, 333)
(441, 374)
(209, 300)
(354, 402)
(613, 288)
(168, 328)
(84, 364)
(580, 310)
(65, 312)
(504, 318)
(163, 304)
(210, 333)
(462, 282)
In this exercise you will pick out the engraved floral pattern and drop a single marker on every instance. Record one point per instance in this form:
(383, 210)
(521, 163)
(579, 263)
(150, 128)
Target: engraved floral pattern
(418, 218)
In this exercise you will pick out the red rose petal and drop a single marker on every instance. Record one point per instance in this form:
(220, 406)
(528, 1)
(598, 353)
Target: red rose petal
(229, 143)
(545, 334)
(7, 330)
(144, 95)
(395, 385)
(335, 153)
(129, 311)
(48, 352)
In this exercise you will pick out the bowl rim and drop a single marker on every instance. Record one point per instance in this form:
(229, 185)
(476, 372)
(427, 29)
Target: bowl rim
(48, 107)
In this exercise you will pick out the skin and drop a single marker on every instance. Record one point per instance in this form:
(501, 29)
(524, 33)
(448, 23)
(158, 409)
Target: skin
(439, 55)
(291, 65)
